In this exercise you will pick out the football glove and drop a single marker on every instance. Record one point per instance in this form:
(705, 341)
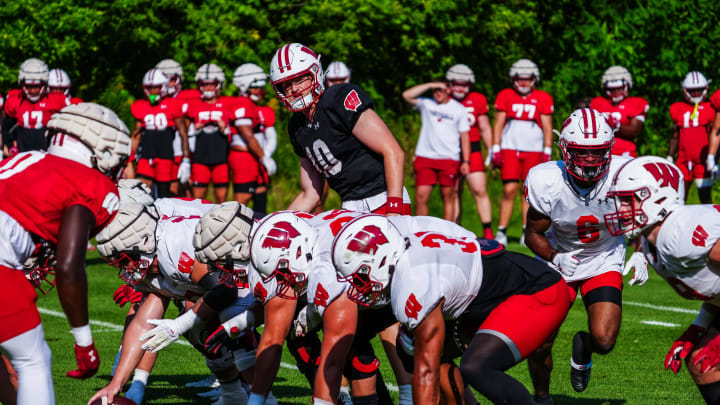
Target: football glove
(125, 294)
(406, 342)
(229, 330)
(88, 362)
(269, 164)
(167, 331)
(709, 355)
(546, 155)
(184, 171)
(638, 262)
(712, 167)
(567, 263)
(682, 346)
(497, 159)
(306, 321)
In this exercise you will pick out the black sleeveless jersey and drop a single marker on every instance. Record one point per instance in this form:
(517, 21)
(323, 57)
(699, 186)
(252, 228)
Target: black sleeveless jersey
(351, 168)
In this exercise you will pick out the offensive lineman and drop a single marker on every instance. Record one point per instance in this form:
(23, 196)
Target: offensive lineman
(567, 203)
(73, 198)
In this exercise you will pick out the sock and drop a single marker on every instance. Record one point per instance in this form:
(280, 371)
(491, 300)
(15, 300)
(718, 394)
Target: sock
(141, 375)
(581, 357)
(710, 392)
(405, 394)
(117, 360)
(260, 204)
(502, 229)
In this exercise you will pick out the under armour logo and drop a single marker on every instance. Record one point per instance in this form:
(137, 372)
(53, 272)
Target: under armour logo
(394, 205)
(91, 355)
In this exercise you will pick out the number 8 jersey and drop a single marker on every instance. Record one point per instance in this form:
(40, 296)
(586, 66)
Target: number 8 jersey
(577, 222)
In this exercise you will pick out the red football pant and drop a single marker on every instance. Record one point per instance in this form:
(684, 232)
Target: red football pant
(429, 172)
(160, 170)
(18, 312)
(517, 164)
(203, 174)
(609, 279)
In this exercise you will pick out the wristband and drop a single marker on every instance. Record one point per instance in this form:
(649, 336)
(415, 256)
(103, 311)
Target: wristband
(547, 150)
(394, 205)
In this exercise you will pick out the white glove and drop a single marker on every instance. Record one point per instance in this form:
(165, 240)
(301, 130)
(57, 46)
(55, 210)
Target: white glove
(407, 342)
(238, 324)
(269, 164)
(167, 331)
(712, 167)
(306, 321)
(639, 263)
(567, 263)
(670, 159)
(184, 171)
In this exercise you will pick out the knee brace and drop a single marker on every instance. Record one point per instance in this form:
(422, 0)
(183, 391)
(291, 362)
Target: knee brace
(361, 367)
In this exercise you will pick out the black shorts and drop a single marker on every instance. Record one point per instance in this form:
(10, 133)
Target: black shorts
(157, 144)
(30, 139)
(211, 148)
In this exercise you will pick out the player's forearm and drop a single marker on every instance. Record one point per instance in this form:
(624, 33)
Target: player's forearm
(546, 120)
(304, 202)
(498, 127)
(72, 292)
(394, 161)
(632, 130)
(673, 144)
(182, 131)
(245, 132)
(539, 244)
(411, 95)
(714, 140)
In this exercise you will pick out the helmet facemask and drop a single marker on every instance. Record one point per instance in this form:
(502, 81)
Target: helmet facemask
(298, 93)
(233, 273)
(586, 163)
(133, 265)
(209, 94)
(364, 290)
(459, 90)
(629, 218)
(34, 90)
(290, 284)
(616, 91)
(524, 90)
(695, 95)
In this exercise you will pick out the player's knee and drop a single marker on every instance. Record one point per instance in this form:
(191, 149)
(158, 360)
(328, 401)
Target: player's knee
(603, 343)
(362, 366)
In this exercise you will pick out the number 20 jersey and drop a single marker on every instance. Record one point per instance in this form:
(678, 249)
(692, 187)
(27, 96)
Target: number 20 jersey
(577, 222)
(353, 170)
(682, 248)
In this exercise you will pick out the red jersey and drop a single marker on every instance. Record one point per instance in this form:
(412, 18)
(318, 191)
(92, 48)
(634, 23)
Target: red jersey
(57, 184)
(33, 115)
(159, 116)
(524, 108)
(185, 97)
(266, 116)
(200, 112)
(694, 125)
(244, 111)
(715, 100)
(476, 105)
(631, 107)
(74, 100)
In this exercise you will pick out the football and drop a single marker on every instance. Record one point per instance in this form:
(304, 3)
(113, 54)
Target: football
(118, 400)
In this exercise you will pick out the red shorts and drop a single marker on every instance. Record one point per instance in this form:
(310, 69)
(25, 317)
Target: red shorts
(18, 312)
(624, 147)
(155, 169)
(609, 279)
(263, 177)
(429, 172)
(406, 209)
(691, 159)
(176, 166)
(528, 320)
(517, 164)
(203, 174)
(246, 170)
(476, 162)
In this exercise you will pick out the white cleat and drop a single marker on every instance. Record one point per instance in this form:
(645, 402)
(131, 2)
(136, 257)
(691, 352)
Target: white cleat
(501, 238)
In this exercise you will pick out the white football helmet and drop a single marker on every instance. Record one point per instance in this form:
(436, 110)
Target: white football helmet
(460, 77)
(59, 79)
(364, 253)
(128, 242)
(281, 247)
(104, 140)
(210, 73)
(614, 78)
(222, 240)
(172, 70)
(524, 69)
(155, 78)
(33, 71)
(646, 190)
(292, 61)
(695, 83)
(133, 190)
(249, 75)
(586, 140)
(337, 72)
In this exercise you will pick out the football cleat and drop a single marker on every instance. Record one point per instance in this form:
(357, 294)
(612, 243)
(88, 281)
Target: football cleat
(579, 373)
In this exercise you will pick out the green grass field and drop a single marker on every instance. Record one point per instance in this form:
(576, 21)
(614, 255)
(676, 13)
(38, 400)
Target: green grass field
(633, 373)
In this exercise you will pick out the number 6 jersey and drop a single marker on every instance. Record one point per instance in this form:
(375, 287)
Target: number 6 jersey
(577, 222)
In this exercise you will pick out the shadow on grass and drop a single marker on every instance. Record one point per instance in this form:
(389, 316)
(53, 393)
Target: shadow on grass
(564, 399)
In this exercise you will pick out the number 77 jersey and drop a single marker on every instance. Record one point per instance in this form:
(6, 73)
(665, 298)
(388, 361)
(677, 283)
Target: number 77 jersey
(577, 222)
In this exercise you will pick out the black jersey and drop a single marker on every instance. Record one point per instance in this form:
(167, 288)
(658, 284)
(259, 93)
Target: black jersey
(351, 168)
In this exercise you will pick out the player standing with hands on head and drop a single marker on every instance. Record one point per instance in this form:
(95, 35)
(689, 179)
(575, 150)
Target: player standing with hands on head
(338, 137)
(443, 149)
(565, 227)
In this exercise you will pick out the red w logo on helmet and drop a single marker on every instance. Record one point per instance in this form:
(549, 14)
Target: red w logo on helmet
(367, 240)
(665, 173)
(280, 236)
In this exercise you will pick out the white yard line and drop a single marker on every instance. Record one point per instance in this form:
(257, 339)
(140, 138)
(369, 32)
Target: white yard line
(658, 323)
(660, 307)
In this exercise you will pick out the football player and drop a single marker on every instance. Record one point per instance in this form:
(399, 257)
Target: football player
(157, 256)
(681, 243)
(565, 227)
(338, 137)
(156, 118)
(73, 197)
(455, 296)
(460, 79)
(337, 72)
(626, 115)
(249, 175)
(28, 109)
(212, 117)
(59, 82)
(692, 120)
(522, 136)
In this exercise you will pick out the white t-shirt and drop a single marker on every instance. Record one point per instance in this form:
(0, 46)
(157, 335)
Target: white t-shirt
(441, 128)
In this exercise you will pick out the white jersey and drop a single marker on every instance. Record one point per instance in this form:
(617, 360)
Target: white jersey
(263, 291)
(577, 222)
(434, 267)
(16, 244)
(410, 225)
(175, 257)
(525, 136)
(682, 248)
(182, 207)
(441, 128)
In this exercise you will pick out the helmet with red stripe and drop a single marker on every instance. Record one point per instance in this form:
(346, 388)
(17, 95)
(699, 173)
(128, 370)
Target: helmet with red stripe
(586, 140)
(210, 79)
(174, 73)
(155, 85)
(59, 82)
(297, 76)
(337, 72)
(695, 87)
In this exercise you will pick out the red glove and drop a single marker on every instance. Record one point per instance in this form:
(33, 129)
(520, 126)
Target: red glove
(683, 346)
(88, 362)
(13, 151)
(614, 123)
(497, 159)
(709, 355)
(546, 155)
(125, 294)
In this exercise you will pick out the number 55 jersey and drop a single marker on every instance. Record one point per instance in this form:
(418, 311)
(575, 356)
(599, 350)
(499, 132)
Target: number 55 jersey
(577, 217)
